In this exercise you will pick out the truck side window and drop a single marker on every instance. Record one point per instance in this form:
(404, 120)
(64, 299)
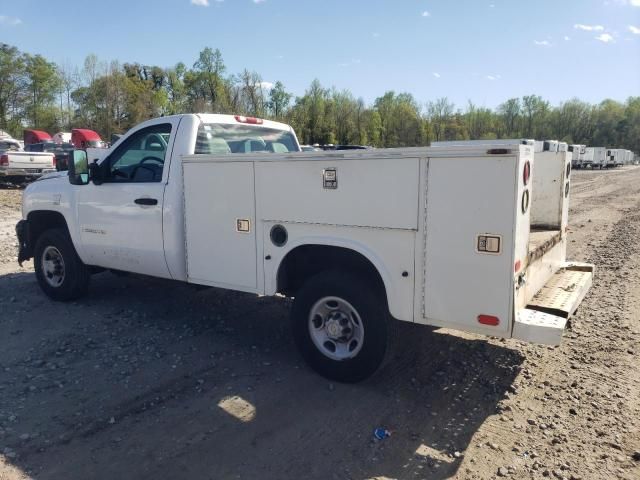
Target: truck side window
(140, 158)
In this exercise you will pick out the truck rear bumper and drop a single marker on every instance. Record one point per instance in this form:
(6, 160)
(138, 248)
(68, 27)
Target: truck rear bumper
(545, 317)
(25, 172)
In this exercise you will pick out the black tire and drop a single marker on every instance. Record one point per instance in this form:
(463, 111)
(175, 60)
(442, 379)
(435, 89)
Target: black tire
(371, 306)
(75, 282)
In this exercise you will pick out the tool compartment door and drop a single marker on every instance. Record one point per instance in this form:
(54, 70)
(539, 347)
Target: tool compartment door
(220, 224)
(468, 198)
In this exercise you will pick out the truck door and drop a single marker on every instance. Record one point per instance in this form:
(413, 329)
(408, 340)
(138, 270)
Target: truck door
(120, 221)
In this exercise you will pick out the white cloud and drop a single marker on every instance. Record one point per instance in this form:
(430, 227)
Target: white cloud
(426, 14)
(436, 74)
(605, 38)
(265, 85)
(624, 3)
(493, 77)
(542, 43)
(200, 3)
(259, 1)
(567, 38)
(588, 28)
(634, 30)
(5, 20)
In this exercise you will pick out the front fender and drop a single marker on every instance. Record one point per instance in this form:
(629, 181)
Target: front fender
(53, 194)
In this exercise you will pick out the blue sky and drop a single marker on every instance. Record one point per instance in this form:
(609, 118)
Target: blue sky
(480, 50)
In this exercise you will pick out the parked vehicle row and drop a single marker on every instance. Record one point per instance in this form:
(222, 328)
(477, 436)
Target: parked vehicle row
(40, 153)
(600, 157)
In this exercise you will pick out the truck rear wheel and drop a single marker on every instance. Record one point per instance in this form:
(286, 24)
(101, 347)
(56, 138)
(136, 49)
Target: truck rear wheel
(340, 324)
(60, 272)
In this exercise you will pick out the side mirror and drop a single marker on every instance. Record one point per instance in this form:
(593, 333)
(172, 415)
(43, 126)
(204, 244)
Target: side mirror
(78, 168)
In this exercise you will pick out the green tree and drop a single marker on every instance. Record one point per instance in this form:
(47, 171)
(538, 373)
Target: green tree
(439, 113)
(279, 100)
(207, 78)
(13, 83)
(43, 83)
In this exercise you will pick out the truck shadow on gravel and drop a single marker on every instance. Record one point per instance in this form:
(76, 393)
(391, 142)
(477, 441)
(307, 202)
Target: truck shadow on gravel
(12, 186)
(147, 378)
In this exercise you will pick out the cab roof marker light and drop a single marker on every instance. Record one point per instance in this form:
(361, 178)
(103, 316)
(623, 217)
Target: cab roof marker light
(250, 120)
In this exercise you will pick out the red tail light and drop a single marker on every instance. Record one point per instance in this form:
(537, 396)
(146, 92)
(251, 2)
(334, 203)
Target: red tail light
(4, 160)
(488, 320)
(250, 120)
(526, 174)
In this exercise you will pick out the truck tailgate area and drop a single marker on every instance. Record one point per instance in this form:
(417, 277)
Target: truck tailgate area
(541, 242)
(546, 315)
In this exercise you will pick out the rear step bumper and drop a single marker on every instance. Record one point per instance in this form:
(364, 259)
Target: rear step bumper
(545, 318)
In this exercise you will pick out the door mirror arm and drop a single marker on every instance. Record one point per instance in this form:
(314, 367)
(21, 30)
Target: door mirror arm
(96, 173)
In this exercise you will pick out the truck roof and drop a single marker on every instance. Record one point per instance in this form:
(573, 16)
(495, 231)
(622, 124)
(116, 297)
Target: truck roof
(235, 119)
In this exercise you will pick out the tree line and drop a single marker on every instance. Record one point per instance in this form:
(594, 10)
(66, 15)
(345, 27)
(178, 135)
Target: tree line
(110, 97)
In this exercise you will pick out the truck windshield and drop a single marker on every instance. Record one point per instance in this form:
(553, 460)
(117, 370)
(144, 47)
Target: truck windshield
(216, 138)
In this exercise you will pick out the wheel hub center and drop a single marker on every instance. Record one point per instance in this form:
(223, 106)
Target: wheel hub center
(338, 326)
(334, 329)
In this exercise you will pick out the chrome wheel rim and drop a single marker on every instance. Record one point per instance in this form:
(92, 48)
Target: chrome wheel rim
(336, 328)
(53, 266)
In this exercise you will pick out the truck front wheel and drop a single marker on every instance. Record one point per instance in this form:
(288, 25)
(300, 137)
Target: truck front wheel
(340, 324)
(60, 272)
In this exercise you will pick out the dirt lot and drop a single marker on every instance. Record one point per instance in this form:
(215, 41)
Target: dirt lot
(147, 378)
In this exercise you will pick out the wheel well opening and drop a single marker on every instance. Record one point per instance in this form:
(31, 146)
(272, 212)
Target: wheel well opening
(305, 261)
(42, 220)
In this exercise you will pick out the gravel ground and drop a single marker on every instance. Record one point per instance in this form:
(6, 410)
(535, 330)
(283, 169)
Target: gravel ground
(148, 378)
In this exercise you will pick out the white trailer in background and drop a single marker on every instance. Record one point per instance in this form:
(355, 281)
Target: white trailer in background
(629, 157)
(551, 146)
(62, 137)
(595, 157)
(615, 157)
(577, 155)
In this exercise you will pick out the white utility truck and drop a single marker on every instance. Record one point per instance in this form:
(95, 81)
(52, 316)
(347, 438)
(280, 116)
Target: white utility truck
(466, 237)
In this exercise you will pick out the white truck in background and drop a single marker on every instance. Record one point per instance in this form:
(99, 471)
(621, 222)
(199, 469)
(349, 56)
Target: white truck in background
(16, 166)
(468, 237)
